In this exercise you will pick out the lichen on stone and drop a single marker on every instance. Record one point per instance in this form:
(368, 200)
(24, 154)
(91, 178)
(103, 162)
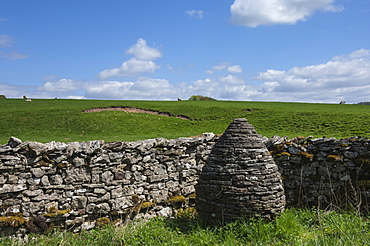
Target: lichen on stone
(177, 199)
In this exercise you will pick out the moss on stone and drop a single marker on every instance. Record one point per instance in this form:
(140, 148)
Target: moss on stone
(142, 206)
(177, 199)
(56, 213)
(104, 221)
(13, 221)
(189, 212)
(135, 198)
(193, 195)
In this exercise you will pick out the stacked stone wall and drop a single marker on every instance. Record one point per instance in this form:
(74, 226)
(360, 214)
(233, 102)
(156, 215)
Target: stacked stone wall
(87, 184)
(76, 184)
(326, 173)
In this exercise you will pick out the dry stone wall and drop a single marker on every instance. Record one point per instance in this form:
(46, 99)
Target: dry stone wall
(326, 173)
(77, 184)
(87, 184)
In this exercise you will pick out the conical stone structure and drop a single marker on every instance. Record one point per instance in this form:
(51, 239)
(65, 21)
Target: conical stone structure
(240, 178)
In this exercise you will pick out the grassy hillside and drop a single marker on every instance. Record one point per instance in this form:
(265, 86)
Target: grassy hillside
(45, 120)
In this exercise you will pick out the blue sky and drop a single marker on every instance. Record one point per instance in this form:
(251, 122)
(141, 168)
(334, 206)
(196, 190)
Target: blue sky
(247, 50)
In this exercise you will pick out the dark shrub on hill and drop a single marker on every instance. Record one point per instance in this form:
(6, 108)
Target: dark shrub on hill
(2, 97)
(201, 98)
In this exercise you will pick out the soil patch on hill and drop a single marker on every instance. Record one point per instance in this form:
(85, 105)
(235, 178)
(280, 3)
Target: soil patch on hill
(135, 110)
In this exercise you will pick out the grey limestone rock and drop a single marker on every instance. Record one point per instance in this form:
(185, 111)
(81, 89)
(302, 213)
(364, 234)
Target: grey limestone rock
(14, 142)
(231, 183)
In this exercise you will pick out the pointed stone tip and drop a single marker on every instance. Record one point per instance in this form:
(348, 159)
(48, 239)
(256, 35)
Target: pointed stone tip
(241, 120)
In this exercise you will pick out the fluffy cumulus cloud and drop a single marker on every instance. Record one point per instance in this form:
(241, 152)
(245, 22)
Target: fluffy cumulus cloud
(143, 88)
(195, 13)
(141, 63)
(235, 69)
(142, 52)
(253, 13)
(342, 78)
(62, 85)
(131, 67)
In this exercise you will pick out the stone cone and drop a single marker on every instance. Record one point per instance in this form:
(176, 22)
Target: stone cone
(240, 178)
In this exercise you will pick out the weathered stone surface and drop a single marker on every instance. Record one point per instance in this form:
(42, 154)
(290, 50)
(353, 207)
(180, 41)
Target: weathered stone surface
(238, 188)
(38, 172)
(12, 188)
(14, 142)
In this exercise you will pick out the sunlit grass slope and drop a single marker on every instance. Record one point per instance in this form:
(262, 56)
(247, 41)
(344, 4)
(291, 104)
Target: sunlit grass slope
(46, 120)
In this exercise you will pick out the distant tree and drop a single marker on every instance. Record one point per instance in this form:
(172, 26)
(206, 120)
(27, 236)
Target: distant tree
(364, 103)
(2, 97)
(201, 98)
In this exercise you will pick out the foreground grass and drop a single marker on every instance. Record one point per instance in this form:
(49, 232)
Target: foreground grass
(47, 120)
(293, 227)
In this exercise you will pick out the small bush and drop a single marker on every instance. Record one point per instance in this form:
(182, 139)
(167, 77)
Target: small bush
(201, 98)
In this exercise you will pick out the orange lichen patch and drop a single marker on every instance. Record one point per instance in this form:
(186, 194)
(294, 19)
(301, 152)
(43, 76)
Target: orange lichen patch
(334, 157)
(285, 153)
(307, 155)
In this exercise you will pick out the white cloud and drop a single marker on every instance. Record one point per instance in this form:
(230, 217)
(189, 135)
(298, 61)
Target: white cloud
(344, 77)
(235, 69)
(225, 65)
(62, 85)
(6, 41)
(144, 88)
(195, 13)
(220, 66)
(131, 67)
(13, 91)
(13, 55)
(142, 52)
(253, 13)
(141, 63)
(231, 80)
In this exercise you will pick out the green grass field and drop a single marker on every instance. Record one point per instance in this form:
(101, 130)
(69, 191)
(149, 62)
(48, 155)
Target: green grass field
(45, 120)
